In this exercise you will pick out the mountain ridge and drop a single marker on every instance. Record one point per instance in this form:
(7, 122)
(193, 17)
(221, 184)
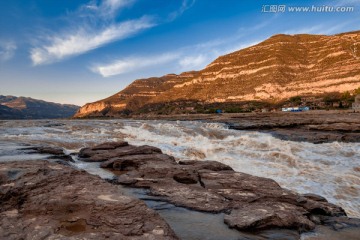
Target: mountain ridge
(281, 67)
(12, 107)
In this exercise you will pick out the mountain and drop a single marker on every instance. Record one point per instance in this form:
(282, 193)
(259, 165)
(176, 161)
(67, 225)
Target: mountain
(12, 107)
(134, 96)
(276, 69)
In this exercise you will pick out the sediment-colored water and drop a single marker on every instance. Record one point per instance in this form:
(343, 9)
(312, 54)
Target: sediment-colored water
(331, 170)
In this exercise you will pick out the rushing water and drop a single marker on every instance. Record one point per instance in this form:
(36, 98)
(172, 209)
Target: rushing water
(331, 169)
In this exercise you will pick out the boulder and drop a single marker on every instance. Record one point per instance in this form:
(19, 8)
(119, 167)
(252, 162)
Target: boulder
(137, 161)
(249, 202)
(261, 216)
(209, 165)
(190, 196)
(44, 200)
(110, 145)
(107, 151)
(186, 177)
(54, 152)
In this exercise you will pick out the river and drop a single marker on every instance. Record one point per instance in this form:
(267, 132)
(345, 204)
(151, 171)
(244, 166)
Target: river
(330, 169)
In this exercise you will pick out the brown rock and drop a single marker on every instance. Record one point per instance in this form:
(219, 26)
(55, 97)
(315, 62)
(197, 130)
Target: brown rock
(85, 153)
(190, 196)
(209, 165)
(49, 150)
(260, 216)
(333, 127)
(186, 177)
(312, 126)
(338, 223)
(253, 202)
(105, 152)
(110, 145)
(55, 152)
(314, 197)
(136, 161)
(42, 200)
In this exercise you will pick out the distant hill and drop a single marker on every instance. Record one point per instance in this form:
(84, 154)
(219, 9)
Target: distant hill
(12, 107)
(278, 68)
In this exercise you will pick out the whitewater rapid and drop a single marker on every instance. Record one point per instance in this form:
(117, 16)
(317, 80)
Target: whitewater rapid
(330, 169)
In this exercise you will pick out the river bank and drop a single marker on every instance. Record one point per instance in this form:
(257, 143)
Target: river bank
(310, 126)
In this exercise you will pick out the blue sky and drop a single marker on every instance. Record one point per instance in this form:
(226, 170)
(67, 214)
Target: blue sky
(81, 51)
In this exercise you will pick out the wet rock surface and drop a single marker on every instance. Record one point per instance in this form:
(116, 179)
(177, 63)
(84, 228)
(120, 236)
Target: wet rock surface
(44, 200)
(53, 152)
(99, 154)
(250, 202)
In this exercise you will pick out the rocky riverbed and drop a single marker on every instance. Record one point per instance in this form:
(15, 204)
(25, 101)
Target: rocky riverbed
(249, 202)
(53, 200)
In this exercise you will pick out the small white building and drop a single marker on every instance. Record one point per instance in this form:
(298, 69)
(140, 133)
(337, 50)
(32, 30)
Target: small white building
(356, 104)
(295, 109)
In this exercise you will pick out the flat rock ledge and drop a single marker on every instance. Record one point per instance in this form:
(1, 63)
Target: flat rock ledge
(250, 202)
(45, 200)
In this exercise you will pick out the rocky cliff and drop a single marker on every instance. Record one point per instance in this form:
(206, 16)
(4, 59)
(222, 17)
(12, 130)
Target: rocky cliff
(278, 68)
(12, 107)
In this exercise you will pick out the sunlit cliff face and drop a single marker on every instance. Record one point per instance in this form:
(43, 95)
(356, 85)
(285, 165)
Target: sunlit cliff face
(279, 68)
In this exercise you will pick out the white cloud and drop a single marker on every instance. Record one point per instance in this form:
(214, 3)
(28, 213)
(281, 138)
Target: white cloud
(113, 5)
(84, 40)
(325, 28)
(110, 7)
(107, 8)
(193, 62)
(187, 58)
(306, 30)
(7, 50)
(185, 5)
(242, 45)
(93, 32)
(131, 64)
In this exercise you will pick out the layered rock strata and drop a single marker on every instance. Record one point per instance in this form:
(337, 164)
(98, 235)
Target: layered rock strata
(278, 68)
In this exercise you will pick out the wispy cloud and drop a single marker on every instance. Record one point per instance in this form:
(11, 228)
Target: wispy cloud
(324, 28)
(133, 63)
(107, 8)
(242, 45)
(85, 40)
(184, 59)
(193, 62)
(111, 6)
(93, 33)
(185, 5)
(306, 30)
(187, 58)
(7, 50)
(335, 28)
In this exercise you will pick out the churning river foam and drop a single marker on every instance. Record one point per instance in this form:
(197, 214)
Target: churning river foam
(331, 169)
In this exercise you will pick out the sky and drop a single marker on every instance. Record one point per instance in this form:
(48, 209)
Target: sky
(80, 51)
